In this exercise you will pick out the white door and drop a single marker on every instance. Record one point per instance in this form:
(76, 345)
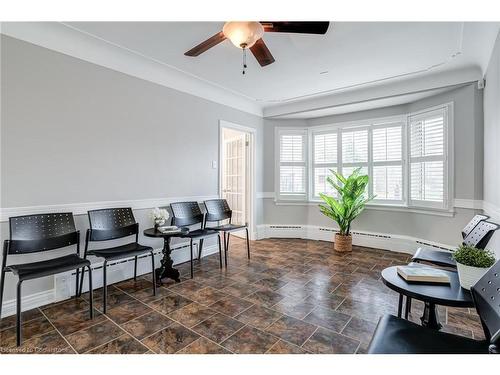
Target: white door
(234, 184)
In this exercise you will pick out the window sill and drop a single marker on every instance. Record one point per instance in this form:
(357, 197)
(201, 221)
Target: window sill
(376, 206)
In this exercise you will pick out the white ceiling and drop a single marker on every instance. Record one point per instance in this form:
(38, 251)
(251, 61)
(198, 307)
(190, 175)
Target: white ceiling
(351, 53)
(355, 56)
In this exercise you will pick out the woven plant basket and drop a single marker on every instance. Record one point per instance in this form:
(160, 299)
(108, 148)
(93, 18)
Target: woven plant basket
(343, 244)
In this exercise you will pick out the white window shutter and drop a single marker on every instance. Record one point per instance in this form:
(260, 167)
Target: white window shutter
(427, 159)
(292, 164)
(355, 146)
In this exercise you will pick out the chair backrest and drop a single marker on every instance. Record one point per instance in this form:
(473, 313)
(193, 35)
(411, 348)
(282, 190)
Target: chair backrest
(481, 234)
(472, 224)
(36, 233)
(111, 223)
(486, 295)
(217, 210)
(186, 213)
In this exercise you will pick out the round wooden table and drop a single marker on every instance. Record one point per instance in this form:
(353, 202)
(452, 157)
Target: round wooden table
(166, 270)
(431, 294)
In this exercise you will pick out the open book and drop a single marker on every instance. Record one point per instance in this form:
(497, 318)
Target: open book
(423, 274)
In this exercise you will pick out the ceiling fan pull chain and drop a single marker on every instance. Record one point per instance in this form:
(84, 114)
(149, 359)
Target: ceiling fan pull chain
(244, 60)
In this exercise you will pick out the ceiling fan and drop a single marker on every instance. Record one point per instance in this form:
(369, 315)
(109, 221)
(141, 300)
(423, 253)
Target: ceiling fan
(248, 35)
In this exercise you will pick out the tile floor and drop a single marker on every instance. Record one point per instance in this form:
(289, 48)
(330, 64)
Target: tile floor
(293, 296)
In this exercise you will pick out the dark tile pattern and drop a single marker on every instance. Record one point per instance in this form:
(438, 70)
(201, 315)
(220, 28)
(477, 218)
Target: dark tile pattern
(249, 340)
(292, 296)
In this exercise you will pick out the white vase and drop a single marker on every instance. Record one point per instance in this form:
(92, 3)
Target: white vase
(469, 275)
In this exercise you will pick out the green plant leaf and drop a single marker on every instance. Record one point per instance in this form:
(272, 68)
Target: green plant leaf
(474, 257)
(351, 201)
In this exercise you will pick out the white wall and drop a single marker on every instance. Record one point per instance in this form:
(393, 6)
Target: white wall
(468, 173)
(73, 132)
(492, 142)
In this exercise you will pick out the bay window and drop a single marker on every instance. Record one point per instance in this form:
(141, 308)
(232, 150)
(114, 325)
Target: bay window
(405, 157)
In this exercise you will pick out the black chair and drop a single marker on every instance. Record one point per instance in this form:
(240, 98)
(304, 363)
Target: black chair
(473, 232)
(185, 214)
(219, 210)
(398, 336)
(110, 224)
(36, 234)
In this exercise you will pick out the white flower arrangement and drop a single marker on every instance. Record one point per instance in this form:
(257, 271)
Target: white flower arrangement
(159, 215)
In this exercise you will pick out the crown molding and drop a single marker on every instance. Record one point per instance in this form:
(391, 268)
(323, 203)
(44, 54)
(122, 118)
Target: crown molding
(382, 91)
(61, 38)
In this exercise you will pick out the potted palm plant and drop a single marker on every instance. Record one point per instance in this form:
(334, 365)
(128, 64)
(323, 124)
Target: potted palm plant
(472, 264)
(350, 202)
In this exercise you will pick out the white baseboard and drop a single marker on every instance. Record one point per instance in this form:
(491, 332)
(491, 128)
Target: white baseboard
(29, 302)
(64, 283)
(392, 242)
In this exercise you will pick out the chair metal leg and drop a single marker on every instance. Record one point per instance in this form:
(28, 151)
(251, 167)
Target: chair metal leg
(18, 314)
(407, 307)
(225, 249)
(104, 287)
(81, 282)
(2, 285)
(77, 276)
(400, 305)
(248, 244)
(153, 272)
(191, 251)
(91, 293)
(220, 252)
(200, 249)
(135, 268)
(227, 245)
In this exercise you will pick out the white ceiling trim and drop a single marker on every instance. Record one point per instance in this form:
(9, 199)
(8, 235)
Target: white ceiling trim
(70, 41)
(396, 88)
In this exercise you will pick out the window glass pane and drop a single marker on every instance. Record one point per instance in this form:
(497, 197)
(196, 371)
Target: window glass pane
(320, 183)
(355, 146)
(388, 182)
(292, 148)
(292, 179)
(387, 144)
(427, 137)
(325, 148)
(427, 181)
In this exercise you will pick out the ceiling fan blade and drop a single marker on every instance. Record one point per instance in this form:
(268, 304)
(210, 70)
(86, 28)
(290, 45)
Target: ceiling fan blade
(207, 44)
(262, 53)
(312, 27)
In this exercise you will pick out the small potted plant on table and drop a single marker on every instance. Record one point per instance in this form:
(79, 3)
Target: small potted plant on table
(472, 264)
(350, 202)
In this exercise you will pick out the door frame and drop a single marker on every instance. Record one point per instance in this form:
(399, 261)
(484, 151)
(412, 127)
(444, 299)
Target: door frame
(250, 169)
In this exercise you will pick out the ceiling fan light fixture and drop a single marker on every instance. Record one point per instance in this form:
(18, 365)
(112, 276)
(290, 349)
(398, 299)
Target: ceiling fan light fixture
(243, 34)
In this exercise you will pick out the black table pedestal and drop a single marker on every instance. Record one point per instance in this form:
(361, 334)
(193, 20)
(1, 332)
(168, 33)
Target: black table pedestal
(430, 317)
(166, 270)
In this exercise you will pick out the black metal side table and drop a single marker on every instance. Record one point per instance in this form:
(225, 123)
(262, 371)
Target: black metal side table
(166, 270)
(431, 294)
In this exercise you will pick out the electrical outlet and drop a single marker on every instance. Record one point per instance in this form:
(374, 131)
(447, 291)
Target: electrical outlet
(214, 164)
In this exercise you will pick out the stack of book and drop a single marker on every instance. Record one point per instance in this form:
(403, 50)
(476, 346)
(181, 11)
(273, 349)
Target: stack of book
(169, 229)
(423, 274)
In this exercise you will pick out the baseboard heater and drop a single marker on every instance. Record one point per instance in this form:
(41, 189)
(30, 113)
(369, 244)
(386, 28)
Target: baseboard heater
(432, 245)
(356, 233)
(285, 227)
